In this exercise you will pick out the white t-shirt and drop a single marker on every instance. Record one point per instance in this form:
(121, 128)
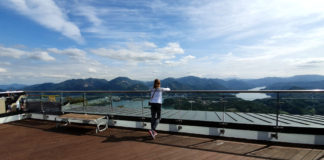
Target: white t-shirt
(157, 98)
(18, 104)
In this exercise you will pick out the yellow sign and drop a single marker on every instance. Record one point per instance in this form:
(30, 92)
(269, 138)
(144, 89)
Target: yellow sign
(52, 98)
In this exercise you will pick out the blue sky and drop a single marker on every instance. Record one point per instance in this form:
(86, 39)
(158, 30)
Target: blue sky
(52, 40)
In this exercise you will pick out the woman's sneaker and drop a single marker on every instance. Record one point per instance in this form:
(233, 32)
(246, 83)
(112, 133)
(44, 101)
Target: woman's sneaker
(152, 133)
(155, 133)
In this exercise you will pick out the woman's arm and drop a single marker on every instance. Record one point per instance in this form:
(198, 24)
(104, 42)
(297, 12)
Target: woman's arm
(166, 89)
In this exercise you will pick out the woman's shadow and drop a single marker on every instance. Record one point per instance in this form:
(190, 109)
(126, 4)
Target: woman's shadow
(129, 136)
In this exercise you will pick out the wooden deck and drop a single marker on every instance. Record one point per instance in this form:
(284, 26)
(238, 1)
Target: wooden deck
(33, 139)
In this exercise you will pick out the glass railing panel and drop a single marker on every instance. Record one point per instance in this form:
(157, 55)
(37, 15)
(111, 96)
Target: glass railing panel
(51, 102)
(174, 106)
(302, 110)
(250, 108)
(74, 102)
(33, 102)
(169, 100)
(44, 102)
(97, 103)
(191, 106)
(318, 104)
(146, 107)
(129, 104)
(206, 106)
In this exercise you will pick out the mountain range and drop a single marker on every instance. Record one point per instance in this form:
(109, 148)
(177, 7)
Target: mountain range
(183, 83)
(12, 87)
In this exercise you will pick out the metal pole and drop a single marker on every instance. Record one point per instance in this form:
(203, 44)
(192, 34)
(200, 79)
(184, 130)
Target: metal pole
(313, 102)
(223, 103)
(143, 118)
(41, 101)
(278, 108)
(107, 108)
(222, 131)
(142, 106)
(84, 104)
(61, 101)
(111, 103)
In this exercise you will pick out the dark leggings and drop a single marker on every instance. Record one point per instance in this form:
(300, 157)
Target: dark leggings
(156, 115)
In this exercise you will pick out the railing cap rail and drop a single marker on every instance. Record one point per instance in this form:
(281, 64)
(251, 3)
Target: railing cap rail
(187, 91)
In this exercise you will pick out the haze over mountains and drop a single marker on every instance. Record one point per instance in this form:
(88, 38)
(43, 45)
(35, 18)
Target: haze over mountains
(184, 83)
(12, 86)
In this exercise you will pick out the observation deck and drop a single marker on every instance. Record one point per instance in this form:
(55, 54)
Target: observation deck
(215, 123)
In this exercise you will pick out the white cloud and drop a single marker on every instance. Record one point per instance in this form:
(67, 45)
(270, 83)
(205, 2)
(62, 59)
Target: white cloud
(111, 21)
(74, 53)
(2, 70)
(299, 44)
(18, 54)
(264, 60)
(293, 53)
(58, 76)
(171, 48)
(243, 18)
(5, 63)
(182, 61)
(307, 63)
(11, 52)
(141, 52)
(48, 14)
(90, 12)
(41, 55)
(92, 70)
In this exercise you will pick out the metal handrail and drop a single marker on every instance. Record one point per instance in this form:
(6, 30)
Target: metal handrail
(189, 91)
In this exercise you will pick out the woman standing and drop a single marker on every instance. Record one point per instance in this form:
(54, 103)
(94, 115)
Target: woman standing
(156, 104)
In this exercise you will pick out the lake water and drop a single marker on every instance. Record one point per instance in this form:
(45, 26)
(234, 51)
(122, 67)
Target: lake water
(253, 96)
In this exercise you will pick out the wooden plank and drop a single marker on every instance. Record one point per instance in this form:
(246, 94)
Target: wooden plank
(312, 154)
(284, 152)
(81, 116)
(301, 154)
(265, 153)
(278, 152)
(228, 146)
(175, 140)
(320, 156)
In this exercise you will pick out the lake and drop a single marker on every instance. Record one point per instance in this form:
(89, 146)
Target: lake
(253, 96)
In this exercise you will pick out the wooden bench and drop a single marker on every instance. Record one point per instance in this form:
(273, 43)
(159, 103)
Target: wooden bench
(99, 120)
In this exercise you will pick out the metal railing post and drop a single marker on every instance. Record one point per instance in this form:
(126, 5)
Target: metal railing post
(41, 101)
(111, 103)
(142, 105)
(61, 101)
(275, 135)
(277, 110)
(313, 101)
(143, 118)
(223, 105)
(222, 130)
(84, 102)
